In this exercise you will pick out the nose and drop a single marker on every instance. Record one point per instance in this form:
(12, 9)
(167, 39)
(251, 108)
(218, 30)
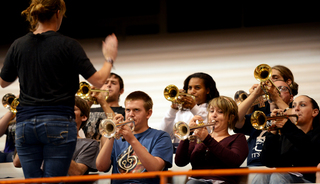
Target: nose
(213, 114)
(130, 114)
(296, 108)
(192, 91)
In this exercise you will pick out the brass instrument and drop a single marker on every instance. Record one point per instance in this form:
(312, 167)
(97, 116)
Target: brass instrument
(171, 93)
(85, 91)
(107, 128)
(259, 120)
(242, 95)
(263, 73)
(182, 131)
(10, 102)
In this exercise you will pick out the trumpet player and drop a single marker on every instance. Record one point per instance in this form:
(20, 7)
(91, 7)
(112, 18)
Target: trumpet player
(217, 149)
(143, 149)
(115, 85)
(203, 88)
(257, 137)
(298, 145)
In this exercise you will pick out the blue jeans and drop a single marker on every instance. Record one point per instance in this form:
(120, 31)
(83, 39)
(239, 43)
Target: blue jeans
(48, 139)
(278, 178)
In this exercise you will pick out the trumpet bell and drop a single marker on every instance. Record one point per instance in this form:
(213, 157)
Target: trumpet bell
(10, 102)
(258, 120)
(181, 130)
(171, 92)
(107, 128)
(85, 91)
(262, 72)
(7, 99)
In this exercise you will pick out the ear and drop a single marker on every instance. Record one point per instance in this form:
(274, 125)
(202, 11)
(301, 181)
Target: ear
(149, 113)
(289, 82)
(208, 90)
(315, 112)
(231, 117)
(121, 91)
(84, 118)
(291, 98)
(57, 14)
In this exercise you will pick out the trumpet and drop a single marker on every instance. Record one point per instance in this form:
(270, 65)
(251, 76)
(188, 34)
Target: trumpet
(263, 73)
(242, 95)
(107, 128)
(171, 93)
(259, 120)
(182, 131)
(10, 102)
(85, 91)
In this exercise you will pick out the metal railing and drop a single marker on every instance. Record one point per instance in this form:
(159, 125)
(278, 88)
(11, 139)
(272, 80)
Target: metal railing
(163, 175)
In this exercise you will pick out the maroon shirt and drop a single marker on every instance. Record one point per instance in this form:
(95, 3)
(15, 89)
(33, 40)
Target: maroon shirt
(210, 154)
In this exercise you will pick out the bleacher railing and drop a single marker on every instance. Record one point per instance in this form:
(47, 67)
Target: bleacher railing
(163, 175)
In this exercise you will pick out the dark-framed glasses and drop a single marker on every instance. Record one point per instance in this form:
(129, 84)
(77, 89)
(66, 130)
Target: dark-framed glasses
(284, 89)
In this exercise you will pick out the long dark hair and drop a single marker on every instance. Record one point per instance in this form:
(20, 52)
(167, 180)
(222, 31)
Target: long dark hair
(208, 83)
(316, 120)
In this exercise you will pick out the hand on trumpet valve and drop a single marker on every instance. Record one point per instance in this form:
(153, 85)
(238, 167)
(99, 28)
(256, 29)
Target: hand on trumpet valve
(188, 102)
(98, 97)
(124, 129)
(287, 114)
(277, 123)
(197, 121)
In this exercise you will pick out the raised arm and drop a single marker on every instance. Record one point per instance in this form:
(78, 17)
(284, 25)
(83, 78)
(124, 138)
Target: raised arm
(110, 52)
(103, 161)
(247, 103)
(168, 122)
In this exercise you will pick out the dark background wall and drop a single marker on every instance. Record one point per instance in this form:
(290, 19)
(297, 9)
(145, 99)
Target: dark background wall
(97, 18)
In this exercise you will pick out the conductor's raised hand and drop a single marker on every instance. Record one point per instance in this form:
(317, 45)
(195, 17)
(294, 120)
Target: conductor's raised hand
(110, 47)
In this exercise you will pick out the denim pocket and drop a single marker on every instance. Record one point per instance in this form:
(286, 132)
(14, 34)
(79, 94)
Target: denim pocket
(19, 137)
(57, 133)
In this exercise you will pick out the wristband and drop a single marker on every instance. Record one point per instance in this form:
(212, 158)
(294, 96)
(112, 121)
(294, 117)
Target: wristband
(286, 109)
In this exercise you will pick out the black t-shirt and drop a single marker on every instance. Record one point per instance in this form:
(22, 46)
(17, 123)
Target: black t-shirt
(48, 67)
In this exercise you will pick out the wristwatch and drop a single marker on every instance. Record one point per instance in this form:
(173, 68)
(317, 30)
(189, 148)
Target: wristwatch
(110, 60)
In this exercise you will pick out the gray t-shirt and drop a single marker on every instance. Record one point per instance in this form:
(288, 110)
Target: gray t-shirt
(86, 153)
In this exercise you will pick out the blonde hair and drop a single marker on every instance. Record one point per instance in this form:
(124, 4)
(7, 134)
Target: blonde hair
(228, 107)
(42, 10)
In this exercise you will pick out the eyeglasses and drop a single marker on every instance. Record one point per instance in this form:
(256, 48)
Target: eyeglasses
(284, 89)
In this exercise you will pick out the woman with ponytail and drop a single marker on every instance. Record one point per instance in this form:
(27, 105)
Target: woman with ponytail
(48, 65)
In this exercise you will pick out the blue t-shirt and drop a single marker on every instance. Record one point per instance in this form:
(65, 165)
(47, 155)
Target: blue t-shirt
(124, 160)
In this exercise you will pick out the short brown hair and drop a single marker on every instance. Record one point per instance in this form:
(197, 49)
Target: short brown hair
(228, 107)
(84, 108)
(140, 95)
